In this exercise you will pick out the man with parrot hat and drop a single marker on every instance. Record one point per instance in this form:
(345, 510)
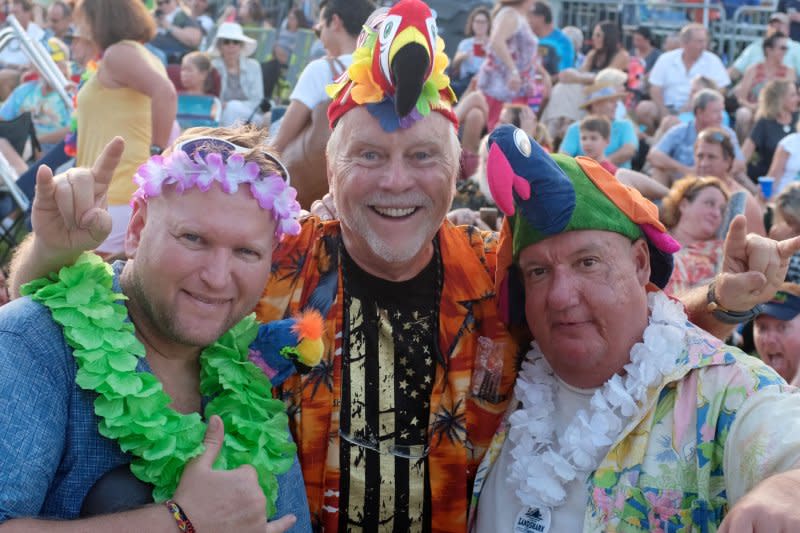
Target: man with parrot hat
(391, 425)
(621, 402)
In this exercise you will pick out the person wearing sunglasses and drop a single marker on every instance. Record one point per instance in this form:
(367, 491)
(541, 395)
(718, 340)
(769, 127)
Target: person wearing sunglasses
(240, 75)
(754, 52)
(106, 427)
(756, 76)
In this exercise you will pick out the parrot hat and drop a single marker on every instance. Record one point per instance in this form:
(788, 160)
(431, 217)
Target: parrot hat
(543, 195)
(398, 70)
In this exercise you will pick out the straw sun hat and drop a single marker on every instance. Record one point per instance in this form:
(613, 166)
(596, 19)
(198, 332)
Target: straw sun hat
(608, 84)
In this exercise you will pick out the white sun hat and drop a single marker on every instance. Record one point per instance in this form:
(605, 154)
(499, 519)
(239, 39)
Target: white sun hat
(233, 31)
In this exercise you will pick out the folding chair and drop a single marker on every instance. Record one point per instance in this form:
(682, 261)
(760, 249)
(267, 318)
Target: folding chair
(300, 58)
(13, 210)
(265, 41)
(197, 110)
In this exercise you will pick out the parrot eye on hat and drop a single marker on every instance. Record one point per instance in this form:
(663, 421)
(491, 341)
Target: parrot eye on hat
(523, 142)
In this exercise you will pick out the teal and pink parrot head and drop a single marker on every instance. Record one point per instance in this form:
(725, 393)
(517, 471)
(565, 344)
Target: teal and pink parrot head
(543, 195)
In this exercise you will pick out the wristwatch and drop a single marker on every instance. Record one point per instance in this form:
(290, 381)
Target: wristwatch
(725, 316)
(155, 149)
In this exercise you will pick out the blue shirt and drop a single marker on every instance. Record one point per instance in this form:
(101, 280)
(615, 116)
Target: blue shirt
(622, 133)
(678, 143)
(51, 453)
(48, 111)
(563, 47)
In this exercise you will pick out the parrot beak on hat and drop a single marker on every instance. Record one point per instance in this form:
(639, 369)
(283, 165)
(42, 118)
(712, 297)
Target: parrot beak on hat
(410, 60)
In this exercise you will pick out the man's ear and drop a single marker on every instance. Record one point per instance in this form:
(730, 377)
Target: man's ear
(641, 258)
(135, 227)
(336, 22)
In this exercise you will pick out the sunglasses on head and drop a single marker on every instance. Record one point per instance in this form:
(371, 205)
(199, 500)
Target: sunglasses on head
(202, 146)
(714, 136)
(229, 41)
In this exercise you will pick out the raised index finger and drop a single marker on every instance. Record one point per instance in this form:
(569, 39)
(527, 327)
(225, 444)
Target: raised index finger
(105, 165)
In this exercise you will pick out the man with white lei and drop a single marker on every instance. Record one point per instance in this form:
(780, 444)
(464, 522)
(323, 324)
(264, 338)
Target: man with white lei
(626, 416)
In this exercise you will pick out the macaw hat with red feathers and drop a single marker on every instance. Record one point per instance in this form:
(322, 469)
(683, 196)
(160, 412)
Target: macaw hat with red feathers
(543, 195)
(398, 70)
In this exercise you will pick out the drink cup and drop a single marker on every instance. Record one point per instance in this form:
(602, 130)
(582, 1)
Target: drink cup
(766, 186)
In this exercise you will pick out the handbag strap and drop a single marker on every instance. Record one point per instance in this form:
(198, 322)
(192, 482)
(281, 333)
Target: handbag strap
(336, 66)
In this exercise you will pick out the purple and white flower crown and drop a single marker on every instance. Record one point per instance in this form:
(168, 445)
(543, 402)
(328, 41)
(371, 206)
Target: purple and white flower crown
(271, 191)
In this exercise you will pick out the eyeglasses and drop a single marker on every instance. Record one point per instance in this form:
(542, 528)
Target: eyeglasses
(229, 41)
(404, 451)
(203, 146)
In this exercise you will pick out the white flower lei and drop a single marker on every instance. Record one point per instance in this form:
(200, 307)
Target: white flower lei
(544, 463)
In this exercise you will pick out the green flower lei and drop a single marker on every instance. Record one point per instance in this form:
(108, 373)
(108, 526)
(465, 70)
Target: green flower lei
(133, 407)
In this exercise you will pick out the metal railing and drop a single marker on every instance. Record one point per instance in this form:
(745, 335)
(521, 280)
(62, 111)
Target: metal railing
(40, 58)
(729, 34)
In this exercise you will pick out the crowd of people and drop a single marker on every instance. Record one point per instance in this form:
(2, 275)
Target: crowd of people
(539, 282)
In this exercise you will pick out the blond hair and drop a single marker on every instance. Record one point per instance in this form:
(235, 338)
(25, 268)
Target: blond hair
(770, 99)
(685, 189)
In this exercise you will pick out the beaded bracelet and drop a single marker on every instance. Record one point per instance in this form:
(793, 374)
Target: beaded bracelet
(183, 522)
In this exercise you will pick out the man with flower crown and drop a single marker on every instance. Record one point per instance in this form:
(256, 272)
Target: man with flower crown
(626, 417)
(418, 366)
(105, 371)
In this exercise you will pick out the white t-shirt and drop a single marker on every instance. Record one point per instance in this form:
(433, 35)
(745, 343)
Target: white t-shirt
(767, 420)
(790, 143)
(13, 54)
(499, 507)
(310, 88)
(675, 81)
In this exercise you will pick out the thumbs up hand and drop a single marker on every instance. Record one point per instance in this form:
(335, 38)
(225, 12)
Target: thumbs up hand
(224, 500)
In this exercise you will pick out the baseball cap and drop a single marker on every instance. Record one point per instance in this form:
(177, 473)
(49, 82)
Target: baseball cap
(782, 17)
(785, 305)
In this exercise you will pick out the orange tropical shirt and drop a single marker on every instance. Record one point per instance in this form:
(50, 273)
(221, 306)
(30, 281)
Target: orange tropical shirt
(471, 389)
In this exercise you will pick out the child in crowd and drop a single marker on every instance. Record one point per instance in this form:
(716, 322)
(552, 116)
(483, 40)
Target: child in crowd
(197, 103)
(595, 135)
